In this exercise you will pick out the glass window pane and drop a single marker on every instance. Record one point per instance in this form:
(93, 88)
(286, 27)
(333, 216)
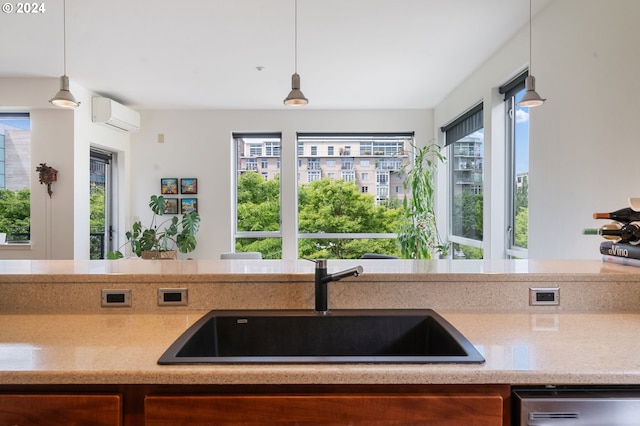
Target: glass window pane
(349, 194)
(258, 194)
(467, 181)
(520, 212)
(15, 176)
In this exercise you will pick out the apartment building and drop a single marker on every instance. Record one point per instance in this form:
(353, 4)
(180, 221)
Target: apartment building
(373, 162)
(467, 165)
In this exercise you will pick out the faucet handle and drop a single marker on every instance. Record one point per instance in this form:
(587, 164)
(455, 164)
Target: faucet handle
(320, 263)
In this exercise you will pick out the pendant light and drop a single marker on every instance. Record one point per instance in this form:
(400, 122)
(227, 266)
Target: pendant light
(64, 98)
(531, 98)
(296, 97)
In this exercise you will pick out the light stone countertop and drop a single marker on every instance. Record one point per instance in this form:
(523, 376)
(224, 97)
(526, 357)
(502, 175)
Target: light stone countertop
(53, 330)
(279, 270)
(578, 348)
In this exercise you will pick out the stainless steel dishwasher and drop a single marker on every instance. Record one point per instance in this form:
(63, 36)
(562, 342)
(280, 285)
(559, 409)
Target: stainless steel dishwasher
(585, 406)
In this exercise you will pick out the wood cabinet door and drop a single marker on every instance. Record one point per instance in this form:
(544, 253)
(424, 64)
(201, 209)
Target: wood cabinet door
(77, 410)
(325, 410)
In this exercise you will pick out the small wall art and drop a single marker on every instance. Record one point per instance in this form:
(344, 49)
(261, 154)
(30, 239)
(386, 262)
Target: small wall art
(188, 205)
(171, 206)
(188, 186)
(169, 185)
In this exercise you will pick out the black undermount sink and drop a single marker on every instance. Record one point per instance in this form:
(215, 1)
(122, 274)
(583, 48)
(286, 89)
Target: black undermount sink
(341, 336)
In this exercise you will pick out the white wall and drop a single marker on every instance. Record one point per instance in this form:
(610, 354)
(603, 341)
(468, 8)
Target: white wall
(61, 139)
(583, 145)
(198, 144)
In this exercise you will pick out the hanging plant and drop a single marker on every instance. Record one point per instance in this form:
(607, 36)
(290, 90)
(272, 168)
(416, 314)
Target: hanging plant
(418, 234)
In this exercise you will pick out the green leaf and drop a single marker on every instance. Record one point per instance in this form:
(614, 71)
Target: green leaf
(113, 255)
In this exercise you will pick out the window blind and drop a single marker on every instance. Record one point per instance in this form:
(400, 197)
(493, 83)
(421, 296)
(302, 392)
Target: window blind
(464, 125)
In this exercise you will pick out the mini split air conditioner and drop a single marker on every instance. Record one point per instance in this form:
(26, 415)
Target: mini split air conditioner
(112, 114)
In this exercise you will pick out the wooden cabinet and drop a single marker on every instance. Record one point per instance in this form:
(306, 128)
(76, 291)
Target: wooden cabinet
(287, 404)
(60, 409)
(325, 409)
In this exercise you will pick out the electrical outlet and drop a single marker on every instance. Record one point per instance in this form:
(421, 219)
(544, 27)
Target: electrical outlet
(116, 298)
(173, 297)
(542, 296)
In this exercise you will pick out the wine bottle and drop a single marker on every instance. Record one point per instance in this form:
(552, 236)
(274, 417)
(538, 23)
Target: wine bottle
(624, 215)
(620, 233)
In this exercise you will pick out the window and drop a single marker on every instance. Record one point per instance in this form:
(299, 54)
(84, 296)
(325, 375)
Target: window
(255, 150)
(101, 164)
(347, 175)
(313, 175)
(517, 188)
(330, 150)
(15, 176)
(313, 164)
(465, 138)
(340, 217)
(272, 149)
(257, 195)
(314, 150)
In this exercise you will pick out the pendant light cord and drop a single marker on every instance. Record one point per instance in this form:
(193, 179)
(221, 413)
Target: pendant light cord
(530, 37)
(64, 35)
(295, 38)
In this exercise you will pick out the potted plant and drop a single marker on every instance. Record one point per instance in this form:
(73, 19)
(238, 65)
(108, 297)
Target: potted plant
(418, 235)
(160, 240)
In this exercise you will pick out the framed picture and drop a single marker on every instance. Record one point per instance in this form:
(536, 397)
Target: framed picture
(169, 185)
(171, 206)
(188, 186)
(188, 205)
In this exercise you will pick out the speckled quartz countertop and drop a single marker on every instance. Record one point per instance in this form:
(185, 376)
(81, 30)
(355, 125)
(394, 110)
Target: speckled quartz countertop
(54, 331)
(123, 349)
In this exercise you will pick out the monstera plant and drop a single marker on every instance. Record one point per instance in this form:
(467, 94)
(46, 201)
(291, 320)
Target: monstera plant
(161, 238)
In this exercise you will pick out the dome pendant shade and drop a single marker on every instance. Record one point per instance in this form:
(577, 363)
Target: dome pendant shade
(531, 98)
(295, 97)
(64, 98)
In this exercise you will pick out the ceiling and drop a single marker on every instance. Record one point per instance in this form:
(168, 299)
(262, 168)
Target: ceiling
(239, 54)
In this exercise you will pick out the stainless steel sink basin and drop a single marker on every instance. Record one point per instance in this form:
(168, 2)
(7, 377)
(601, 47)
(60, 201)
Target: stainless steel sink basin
(342, 336)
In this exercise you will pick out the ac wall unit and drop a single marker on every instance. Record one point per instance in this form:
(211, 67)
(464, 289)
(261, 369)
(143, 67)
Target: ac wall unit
(110, 113)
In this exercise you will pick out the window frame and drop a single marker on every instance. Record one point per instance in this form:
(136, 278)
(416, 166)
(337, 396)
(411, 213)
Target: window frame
(511, 91)
(237, 234)
(348, 172)
(464, 125)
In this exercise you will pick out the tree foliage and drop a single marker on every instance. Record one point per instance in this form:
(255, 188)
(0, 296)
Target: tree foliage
(15, 210)
(467, 215)
(325, 206)
(338, 206)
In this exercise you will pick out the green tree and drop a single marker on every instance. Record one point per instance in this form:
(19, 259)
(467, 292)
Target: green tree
(338, 206)
(522, 227)
(96, 221)
(467, 215)
(521, 235)
(258, 209)
(15, 211)
(258, 203)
